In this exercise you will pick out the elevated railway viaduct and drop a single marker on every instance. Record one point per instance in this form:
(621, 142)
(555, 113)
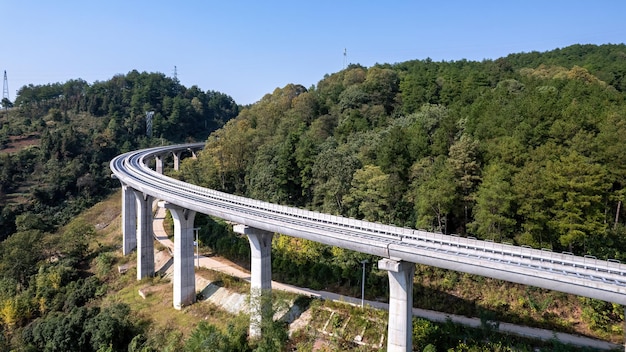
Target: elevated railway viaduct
(399, 248)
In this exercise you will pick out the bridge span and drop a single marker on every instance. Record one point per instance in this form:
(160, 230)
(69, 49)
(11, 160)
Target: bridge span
(399, 248)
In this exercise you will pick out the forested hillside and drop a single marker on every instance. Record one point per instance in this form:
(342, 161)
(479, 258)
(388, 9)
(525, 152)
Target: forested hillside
(527, 148)
(57, 141)
(55, 147)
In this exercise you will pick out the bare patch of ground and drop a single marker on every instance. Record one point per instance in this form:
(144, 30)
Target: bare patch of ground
(17, 143)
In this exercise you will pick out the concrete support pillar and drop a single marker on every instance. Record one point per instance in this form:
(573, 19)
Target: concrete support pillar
(184, 271)
(193, 153)
(145, 235)
(400, 325)
(260, 276)
(158, 159)
(176, 155)
(129, 220)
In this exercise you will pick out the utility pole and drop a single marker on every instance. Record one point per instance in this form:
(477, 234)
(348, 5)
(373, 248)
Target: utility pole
(197, 244)
(365, 261)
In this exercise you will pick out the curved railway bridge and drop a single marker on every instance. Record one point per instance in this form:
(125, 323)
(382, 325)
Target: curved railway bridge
(398, 247)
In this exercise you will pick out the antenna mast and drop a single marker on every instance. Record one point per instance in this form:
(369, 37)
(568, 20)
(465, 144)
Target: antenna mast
(345, 57)
(5, 87)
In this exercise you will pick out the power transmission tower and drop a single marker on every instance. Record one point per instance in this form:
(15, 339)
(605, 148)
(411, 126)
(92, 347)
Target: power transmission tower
(176, 81)
(5, 87)
(149, 115)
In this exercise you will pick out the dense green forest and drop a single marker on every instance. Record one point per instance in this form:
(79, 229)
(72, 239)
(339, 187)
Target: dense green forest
(55, 147)
(74, 129)
(526, 149)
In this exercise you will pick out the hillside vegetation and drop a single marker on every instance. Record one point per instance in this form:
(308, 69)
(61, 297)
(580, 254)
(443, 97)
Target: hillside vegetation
(526, 149)
(518, 149)
(57, 141)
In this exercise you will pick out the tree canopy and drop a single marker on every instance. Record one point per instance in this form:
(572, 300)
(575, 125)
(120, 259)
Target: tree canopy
(528, 149)
(76, 128)
(515, 149)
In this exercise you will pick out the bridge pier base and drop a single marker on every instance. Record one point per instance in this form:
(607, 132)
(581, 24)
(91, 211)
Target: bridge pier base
(184, 271)
(145, 239)
(193, 151)
(158, 159)
(260, 276)
(176, 155)
(129, 220)
(400, 331)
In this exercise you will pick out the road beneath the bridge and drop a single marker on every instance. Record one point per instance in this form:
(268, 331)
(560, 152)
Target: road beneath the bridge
(227, 267)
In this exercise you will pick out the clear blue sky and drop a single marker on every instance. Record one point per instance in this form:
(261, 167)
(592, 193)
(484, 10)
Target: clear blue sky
(248, 48)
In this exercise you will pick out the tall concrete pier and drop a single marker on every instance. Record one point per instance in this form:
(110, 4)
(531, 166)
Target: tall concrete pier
(145, 239)
(176, 156)
(260, 275)
(158, 159)
(184, 274)
(129, 220)
(400, 326)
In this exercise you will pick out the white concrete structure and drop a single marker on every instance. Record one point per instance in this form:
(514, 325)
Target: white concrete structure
(176, 156)
(145, 240)
(158, 160)
(400, 331)
(260, 274)
(129, 220)
(184, 274)
(564, 272)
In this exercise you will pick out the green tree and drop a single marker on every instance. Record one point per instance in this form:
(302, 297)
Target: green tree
(382, 85)
(231, 150)
(464, 163)
(111, 327)
(287, 176)
(75, 239)
(6, 103)
(370, 195)
(612, 155)
(531, 188)
(436, 124)
(273, 332)
(393, 154)
(579, 189)
(19, 255)
(434, 193)
(332, 172)
(60, 331)
(493, 217)
(207, 337)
